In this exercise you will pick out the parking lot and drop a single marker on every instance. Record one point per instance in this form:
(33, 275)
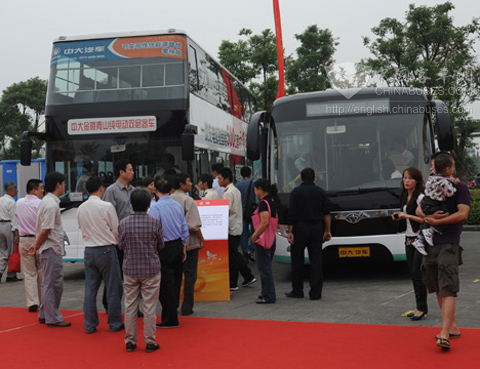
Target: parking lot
(366, 294)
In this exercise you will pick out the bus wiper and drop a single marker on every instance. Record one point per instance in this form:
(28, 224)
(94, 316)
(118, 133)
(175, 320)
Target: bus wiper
(379, 189)
(73, 205)
(360, 190)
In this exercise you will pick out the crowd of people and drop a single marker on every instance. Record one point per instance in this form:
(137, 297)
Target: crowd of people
(141, 242)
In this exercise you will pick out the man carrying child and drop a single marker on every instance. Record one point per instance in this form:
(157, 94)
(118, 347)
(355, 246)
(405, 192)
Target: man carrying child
(440, 266)
(440, 186)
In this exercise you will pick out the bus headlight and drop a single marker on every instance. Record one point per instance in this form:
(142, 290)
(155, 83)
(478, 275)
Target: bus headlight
(282, 230)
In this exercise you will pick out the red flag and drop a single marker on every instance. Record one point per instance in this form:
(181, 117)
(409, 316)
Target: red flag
(278, 32)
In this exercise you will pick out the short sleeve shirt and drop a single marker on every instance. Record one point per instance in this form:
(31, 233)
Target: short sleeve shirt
(453, 231)
(48, 217)
(262, 206)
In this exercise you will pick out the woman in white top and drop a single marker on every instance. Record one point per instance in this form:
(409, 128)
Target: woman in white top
(410, 196)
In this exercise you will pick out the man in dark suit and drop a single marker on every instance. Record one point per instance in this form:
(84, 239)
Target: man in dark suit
(308, 226)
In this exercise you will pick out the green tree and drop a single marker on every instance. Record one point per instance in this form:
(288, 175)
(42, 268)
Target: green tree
(309, 71)
(264, 59)
(428, 51)
(253, 61)
(22, 107)
(237, 57)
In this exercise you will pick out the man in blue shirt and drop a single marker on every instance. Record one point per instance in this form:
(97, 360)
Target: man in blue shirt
(245, 186)
(174, 254)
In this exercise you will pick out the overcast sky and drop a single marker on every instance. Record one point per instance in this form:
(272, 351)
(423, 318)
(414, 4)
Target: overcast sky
(28, 27)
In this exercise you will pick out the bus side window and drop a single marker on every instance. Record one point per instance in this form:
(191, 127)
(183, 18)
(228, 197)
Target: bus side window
(193, 69)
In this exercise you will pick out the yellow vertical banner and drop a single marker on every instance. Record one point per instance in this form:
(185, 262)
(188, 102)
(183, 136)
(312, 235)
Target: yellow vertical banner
(213, 278)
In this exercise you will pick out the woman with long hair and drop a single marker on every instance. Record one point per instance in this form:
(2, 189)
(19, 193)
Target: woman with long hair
(149, 184)
(411, 195)
(267, 209)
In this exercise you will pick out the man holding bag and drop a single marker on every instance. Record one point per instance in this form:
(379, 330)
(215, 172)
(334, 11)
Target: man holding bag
(8, 229)
(265, 223)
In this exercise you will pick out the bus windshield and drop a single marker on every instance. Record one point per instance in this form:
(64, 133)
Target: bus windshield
(118, 69)
(81, 158)
(353, 152)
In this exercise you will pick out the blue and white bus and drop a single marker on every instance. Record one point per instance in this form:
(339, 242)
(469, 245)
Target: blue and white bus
(137, 96)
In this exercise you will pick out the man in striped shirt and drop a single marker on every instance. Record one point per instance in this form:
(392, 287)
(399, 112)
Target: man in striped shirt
(141, 238)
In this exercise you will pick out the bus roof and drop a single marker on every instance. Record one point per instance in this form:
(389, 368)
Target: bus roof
(170, 31)
(413, 94)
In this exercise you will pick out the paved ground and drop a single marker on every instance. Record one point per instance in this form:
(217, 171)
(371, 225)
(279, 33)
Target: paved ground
(368, 294)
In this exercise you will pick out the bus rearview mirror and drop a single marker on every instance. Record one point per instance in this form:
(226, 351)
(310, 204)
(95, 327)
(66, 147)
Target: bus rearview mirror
(188, 142)
(332, 130)
(26, 152)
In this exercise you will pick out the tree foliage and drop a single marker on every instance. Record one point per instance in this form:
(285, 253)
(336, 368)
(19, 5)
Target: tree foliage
(253, 60)
(22, 107)
(428, 51)
(308, 72)
(236, 57)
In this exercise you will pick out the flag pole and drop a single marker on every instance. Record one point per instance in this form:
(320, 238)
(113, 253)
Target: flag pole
(278, 32)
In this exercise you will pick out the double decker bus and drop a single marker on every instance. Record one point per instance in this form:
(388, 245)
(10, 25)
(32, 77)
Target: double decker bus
(141, 96)
(358, 146)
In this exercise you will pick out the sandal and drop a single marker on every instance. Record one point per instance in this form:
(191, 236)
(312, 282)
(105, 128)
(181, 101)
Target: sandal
(450, 335)
(443, 343)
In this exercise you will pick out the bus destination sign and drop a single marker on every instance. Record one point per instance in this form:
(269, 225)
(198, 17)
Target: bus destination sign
(111, 125)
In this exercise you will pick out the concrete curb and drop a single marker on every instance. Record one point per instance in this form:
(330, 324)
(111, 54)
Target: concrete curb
(472, 228)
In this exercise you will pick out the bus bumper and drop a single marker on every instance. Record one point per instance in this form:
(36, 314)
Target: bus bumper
(352, 249)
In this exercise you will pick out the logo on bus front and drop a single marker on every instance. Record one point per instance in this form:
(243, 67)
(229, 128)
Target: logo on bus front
(354, 218)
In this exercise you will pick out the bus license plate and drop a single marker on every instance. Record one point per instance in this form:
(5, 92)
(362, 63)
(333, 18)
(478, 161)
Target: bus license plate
(354, 252)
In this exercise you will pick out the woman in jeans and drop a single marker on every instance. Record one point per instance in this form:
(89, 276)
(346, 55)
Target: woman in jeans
(266, 194)
(410, 196)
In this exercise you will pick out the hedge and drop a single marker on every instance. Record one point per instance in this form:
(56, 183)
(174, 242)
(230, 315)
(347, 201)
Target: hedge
(474, 216)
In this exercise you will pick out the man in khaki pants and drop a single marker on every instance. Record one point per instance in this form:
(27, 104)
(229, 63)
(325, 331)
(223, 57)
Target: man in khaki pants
(26, 214)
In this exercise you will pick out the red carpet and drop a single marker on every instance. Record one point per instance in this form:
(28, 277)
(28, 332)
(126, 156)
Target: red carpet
(230, 343)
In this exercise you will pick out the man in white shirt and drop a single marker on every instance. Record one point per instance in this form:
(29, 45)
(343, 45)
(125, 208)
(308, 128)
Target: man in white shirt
(215, 185)
(235, 227)
(98, 221)
(51, 247)
(8, 224)
(26, 214)
(204, 187)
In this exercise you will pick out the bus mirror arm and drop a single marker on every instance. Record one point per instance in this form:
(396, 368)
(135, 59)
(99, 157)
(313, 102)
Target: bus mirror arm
(188, 142)
(26, 146)
(444, 125)
(254, 135)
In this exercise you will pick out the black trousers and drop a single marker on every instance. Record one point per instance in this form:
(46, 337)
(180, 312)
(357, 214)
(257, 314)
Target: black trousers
(172, 269)
(190, 268)
(310, 236)
(414, 264)
(236, 262)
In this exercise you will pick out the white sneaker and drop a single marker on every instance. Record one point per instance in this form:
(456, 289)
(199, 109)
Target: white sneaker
(420, 247)
(428, 235)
